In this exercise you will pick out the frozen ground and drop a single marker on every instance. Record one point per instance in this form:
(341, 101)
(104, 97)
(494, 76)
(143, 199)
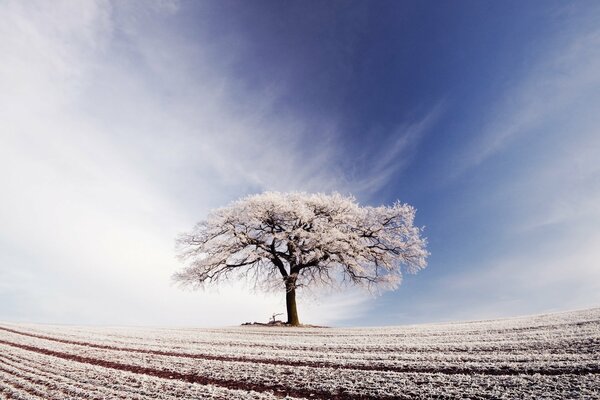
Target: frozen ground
(554, 356)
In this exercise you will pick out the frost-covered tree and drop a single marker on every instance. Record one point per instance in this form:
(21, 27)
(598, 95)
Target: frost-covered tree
(284, 241)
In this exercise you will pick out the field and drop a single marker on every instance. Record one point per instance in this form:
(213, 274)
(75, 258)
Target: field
(554, 356)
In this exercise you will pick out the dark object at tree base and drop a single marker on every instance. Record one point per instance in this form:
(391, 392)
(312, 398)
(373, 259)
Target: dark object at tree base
(281, 324)
(299, 239)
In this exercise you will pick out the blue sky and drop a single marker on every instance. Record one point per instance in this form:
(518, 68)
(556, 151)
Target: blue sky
(125, 123)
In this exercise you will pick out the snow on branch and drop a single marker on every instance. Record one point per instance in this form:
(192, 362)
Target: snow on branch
(316, 239)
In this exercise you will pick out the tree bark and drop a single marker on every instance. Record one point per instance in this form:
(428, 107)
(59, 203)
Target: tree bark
(290, 300)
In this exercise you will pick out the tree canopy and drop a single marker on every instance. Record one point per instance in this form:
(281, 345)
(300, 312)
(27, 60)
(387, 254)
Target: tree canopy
(290, 240)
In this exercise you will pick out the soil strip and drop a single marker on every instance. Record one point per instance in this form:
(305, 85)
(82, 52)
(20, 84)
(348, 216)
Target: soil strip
(450, 370)
(279, 390)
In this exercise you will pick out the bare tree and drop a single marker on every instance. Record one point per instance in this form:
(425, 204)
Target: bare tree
(290, 240)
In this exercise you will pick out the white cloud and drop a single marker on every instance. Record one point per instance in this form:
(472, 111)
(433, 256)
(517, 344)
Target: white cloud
(118, 133)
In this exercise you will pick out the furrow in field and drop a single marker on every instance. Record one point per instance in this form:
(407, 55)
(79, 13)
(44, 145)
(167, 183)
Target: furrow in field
(439, 386)
(554, 357)
(51, 375)
(12, 392)
(509, 362)
(278, 389)
(32, 385)
(354, 384)
(432, 365)
(122, 384)
(553, 342)
(50, 381)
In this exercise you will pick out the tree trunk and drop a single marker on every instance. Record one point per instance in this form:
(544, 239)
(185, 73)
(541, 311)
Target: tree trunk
(290, 300)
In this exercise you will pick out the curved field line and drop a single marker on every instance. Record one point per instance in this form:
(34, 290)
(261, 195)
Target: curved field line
(492, 344)
(450, 370)
(16, 391)
(190, 378)
(32, 388)
(46, 373)
(122, 387)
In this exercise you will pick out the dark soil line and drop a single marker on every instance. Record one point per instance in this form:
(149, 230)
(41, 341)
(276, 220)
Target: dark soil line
(204, 342)
(450, 370)
(545, 327)
(31, 391)
(557, 348)
(456, 333)
(278, 390)
(36, 391)
(21, 387)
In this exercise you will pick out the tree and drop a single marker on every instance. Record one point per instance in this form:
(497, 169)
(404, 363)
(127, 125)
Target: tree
(291, 240)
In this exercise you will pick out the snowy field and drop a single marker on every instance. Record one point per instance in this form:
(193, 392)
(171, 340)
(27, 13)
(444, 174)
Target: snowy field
(555, 356)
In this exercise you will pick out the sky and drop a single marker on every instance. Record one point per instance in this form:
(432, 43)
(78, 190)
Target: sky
(125, 123)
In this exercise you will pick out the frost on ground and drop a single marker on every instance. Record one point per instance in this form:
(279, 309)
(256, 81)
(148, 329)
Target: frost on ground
(554, 356)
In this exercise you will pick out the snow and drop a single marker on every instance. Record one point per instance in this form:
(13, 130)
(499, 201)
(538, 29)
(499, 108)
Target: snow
(318, 239)
(552, 356)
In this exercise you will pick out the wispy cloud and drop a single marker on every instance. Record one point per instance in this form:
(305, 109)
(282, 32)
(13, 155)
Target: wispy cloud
(562, 79)
(387, 158)
(541, 145)
(547, 277)
(553, 115)
(118, 133)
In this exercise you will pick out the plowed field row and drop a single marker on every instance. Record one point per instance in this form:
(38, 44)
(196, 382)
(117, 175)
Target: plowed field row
(552, 355)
